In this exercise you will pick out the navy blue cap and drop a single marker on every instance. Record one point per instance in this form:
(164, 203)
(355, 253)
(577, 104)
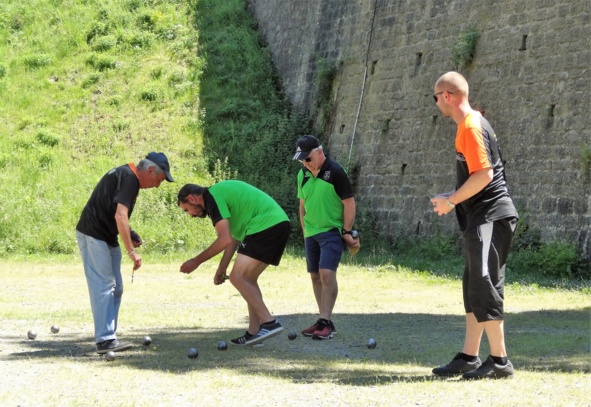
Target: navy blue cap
(161, 161)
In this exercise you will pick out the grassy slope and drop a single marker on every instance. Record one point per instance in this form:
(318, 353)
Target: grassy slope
(88, 86)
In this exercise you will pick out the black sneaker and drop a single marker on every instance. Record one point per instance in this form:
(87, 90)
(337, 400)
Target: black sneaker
(491, 370)
(112, 345)
(267, 331)
(242, 339)
(457, 366)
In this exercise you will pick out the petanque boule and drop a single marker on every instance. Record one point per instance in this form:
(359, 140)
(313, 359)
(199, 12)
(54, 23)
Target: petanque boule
(192, 353)
(110, 356)
(55, 329)
(291, 336)
(147, 341)
(222, 345)
(32, 334)
(371, 343)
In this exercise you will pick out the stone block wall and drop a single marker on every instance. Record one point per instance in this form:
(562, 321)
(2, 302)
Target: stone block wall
(531, 76)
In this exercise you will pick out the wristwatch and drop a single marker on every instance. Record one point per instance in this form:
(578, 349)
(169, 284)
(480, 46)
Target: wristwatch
(450, 204)
(353, 233)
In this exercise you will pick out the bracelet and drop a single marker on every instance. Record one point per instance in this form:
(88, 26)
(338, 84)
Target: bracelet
(450, 203)
(131, 253)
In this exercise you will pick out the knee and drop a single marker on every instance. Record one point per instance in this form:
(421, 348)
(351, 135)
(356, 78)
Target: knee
(236, 279)
(328, 277)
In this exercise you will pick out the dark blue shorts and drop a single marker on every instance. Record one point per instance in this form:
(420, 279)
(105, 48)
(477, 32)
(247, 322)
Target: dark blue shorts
(324, 251)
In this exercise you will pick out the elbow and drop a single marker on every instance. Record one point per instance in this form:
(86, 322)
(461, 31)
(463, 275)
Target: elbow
(225, 241)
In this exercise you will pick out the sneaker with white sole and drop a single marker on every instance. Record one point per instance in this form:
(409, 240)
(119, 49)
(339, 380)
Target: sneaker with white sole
(457, 366)
(323, 330)
(311, 329)
(241, 340)
(309, 332)
(333, 329)
(266, 331)
(491, 370)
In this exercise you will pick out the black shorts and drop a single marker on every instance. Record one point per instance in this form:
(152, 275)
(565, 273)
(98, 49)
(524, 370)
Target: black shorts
(268, 245)
(486, 249)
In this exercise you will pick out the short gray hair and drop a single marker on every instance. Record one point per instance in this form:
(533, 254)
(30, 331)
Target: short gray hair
(146, 164)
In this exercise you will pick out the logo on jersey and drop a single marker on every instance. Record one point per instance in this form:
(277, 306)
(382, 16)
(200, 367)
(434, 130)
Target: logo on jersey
(326, 175)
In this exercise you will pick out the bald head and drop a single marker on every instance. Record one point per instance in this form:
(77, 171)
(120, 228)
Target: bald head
(452, 82)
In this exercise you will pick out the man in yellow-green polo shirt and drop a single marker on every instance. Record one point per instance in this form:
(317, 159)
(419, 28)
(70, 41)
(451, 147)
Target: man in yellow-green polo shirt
(327, 215)
(248, 219)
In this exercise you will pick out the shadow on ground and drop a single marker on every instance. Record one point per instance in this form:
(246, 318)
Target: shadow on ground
(408, 346)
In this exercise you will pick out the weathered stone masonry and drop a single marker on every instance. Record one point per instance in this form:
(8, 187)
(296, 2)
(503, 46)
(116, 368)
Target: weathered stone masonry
(531, 75)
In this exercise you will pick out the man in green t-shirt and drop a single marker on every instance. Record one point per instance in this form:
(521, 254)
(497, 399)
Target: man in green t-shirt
(327, 215)
(248, 219)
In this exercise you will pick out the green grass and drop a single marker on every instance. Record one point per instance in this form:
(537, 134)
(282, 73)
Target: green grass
(86, 86)
(416, 319)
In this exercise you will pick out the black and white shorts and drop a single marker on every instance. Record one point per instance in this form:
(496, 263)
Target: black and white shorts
(486, 249)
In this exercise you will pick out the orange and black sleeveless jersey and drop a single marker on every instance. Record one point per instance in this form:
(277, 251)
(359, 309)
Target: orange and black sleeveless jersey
(477, 149)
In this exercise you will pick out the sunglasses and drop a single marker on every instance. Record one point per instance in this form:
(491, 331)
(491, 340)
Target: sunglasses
(439, 93)
(308, 159)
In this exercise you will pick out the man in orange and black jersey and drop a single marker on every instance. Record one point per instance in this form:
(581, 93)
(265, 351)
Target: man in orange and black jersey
(487, 220)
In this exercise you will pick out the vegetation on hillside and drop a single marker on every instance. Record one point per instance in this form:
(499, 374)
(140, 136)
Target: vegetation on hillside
(89, 85)
(86, 86)
(247, 118)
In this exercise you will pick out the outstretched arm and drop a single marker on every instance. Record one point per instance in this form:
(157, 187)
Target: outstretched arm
(223, 240)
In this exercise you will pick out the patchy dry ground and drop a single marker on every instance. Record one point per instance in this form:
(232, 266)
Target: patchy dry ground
(415, 319)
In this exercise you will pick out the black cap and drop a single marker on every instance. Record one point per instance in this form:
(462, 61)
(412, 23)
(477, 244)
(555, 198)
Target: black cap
(304, 147)
(161, 161)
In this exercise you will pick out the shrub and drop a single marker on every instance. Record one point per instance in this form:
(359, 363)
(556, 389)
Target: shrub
(554, 259)
(104, 43)
(98, 28)
(463, 51)
(101, 63)
(176, 78)
(149, 95)
(141, 40)
(48, 139)
(148, 20)
(90, 80)
(35, 61)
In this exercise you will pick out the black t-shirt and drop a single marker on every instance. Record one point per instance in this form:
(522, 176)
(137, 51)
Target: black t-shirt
(477, 148)
(118, 186)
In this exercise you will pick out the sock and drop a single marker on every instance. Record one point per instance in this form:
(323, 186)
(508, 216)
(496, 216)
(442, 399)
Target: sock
(248, 335)
(500, 360)
(269, 323)
(467, 358)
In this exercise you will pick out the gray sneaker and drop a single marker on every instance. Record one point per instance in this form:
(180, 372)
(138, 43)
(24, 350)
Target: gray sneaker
(457, 366)
(491, 370)
(265, 332)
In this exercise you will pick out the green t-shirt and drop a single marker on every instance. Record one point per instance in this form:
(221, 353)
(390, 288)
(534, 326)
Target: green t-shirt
(323, 196)
(248, 209)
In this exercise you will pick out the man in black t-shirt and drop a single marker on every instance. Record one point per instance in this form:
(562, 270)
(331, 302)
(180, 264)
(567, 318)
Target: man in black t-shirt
(105, 216)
